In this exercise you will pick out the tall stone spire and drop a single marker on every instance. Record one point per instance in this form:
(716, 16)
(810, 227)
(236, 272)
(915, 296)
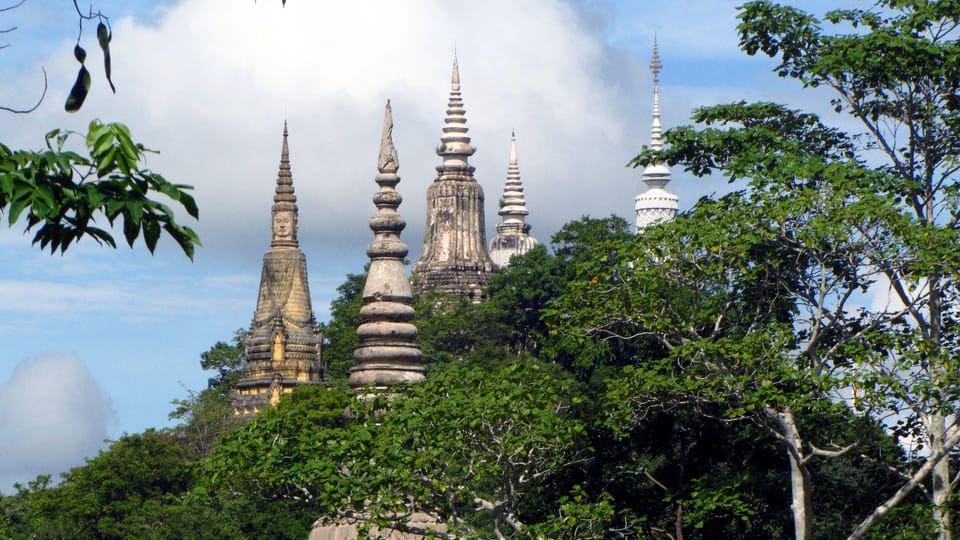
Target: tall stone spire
(387, 354)
(455, 257)
(513, 233)
(282, 347)
(656, 204)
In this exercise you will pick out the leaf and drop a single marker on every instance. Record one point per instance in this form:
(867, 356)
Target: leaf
(79, 91)
(151, 232)
(131, 229)
(103, 38)
(16, 208)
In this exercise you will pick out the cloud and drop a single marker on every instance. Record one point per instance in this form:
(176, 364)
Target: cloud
(210, 85)
(53, 414)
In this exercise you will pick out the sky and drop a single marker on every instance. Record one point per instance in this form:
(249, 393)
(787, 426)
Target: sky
(98, 342)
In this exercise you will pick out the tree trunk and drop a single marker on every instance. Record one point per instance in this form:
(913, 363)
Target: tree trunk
(940, 479)
(799, 474)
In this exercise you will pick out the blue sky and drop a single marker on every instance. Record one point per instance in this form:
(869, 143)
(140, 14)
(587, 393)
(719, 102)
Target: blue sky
(98, 342)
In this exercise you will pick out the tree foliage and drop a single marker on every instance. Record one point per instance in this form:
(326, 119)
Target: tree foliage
(60, 193)
(826, 220)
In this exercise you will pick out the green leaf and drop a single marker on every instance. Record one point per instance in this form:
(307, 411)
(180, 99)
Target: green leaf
(79, 91)
(16, 208)
(131, 229)
(151, 233)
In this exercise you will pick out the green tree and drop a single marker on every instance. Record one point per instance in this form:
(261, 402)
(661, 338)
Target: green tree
(340, 332)
(483, 448)
(820, 224)
(207, 414)
(120, 493)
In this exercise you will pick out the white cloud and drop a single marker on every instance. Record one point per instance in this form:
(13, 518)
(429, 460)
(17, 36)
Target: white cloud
(53, 414)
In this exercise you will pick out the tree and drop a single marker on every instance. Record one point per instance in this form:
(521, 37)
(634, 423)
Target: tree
(340, 333)
(486, 449)
(205, 415)
(120, 493)
(759, 296)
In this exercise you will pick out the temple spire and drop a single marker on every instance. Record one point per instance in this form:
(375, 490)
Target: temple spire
(455, 257)
(513, 234)
(455, 143)
(514, 205)
(285, 212)
(387, 353)
(656, 204)
(281, 350)
(655, 66)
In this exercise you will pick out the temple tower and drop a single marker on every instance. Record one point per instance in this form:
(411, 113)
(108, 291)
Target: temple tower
(656, 204)
(282, 347)
(513, 233)
(387, 353)
(455, 257)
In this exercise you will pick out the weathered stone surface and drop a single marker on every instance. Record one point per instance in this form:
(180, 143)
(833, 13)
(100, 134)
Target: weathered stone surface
(282, 347)
(455, 257)
(387, 354)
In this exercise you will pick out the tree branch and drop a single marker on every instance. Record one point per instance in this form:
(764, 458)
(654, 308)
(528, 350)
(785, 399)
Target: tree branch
(39, 101)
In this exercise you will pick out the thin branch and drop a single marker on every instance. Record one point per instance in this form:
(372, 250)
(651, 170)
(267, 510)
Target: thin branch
(830, 453)
(14, 6)
(39, 101)
(88, 17)
(655, 481)
(907, 487)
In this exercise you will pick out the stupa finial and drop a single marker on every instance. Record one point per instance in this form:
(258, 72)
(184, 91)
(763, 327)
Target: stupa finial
(656, 141)
(284, 211)
(388, 162)
(455, 142)
(455, 76)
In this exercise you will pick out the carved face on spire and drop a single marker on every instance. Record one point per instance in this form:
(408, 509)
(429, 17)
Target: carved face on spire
(284, 224)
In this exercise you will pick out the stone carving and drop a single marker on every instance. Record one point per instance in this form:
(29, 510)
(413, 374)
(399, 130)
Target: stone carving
(282, 347)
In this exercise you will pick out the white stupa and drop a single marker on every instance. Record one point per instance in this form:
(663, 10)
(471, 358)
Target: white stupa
(656, 204)
(513, 233)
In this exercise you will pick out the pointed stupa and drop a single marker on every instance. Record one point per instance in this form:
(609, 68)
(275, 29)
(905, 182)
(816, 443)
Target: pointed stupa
(282, 347)
(513, 233)
(656, 204)
(387, 353)
(455, 257)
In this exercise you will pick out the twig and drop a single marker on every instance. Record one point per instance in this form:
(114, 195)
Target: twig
(39, 101)
(14, 6)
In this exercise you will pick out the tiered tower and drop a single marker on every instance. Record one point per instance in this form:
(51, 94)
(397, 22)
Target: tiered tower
(282, 347)
(455, 257)
(656, 204)
(387, 353)
(513, 233)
